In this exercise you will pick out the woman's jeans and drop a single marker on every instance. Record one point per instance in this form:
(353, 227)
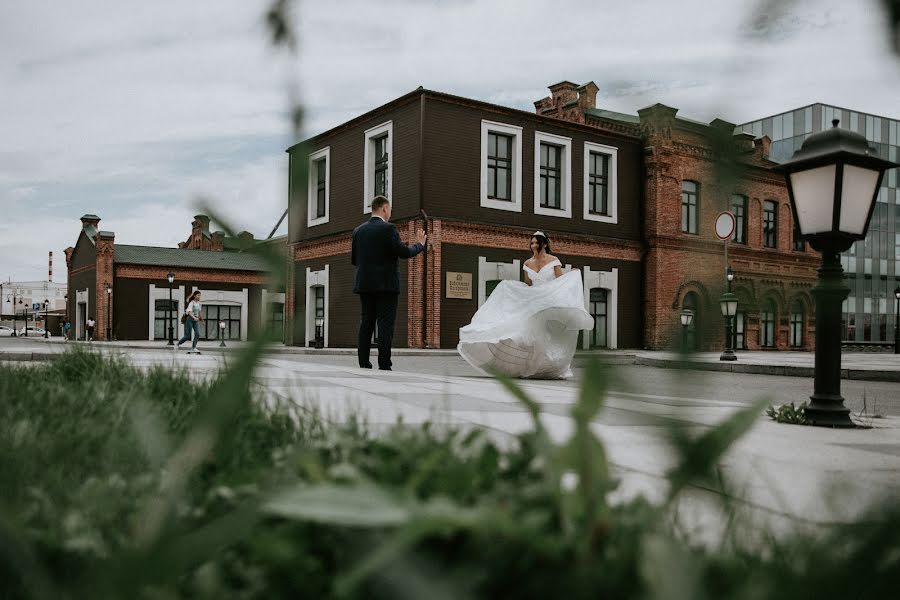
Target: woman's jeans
(189, 326)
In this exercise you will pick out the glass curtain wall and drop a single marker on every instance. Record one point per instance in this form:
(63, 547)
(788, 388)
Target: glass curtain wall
(871, 265)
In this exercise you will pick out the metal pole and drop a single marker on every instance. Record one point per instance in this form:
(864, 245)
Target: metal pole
(896, 325)
(46, 321)
(826, 404)
(169, 313)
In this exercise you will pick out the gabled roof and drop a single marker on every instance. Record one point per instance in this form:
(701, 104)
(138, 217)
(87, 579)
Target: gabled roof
(179, 257)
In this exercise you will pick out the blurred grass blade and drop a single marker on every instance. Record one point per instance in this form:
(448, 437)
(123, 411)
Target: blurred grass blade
(699, 456)
(361, 505)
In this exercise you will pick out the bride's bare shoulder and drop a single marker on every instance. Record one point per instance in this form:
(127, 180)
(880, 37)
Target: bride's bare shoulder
(529, 262)
(551, 258)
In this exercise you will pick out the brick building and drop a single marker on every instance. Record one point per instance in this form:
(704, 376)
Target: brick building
(235, 284)
(487, 176)
(692, 172)
(629, 199)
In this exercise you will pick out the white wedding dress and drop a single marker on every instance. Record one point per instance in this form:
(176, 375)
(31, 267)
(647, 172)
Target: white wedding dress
(528, 331)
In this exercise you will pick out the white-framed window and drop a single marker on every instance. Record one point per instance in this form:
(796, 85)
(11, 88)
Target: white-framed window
(319, 187)
(379, 164)
(552, 175)
(492, 273)
(317, 291)
(501, 166)
(601, 188)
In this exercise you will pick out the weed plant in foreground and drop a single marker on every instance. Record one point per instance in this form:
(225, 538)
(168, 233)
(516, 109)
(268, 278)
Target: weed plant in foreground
(120, 483)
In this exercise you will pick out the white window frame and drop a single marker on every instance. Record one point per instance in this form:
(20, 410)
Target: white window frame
(313, 279)
(369, 162)
(613, 183)
(162, 293)
(609, 281)
(565, 172)
(493, 271)
(312, 191)
(515, 204)
(227, 298)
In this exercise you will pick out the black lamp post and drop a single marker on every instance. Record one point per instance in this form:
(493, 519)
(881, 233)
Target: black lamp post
(171, 278)
(687, 315)
(833, 182)
(897, 320)
(222, 333)
(728, 303)
(46, 322)
(729, 277)
(108, 312)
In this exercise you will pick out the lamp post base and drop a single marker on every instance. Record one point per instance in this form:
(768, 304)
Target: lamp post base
(828, 410)
(728, 355)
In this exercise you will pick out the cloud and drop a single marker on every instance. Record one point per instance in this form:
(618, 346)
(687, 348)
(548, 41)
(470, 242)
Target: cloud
(134, 111)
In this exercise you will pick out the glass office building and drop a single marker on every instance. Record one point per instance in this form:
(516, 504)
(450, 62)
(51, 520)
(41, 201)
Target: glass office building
(871, 265)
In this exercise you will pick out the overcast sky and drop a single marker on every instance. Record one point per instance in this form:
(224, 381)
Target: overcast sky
(136, 110)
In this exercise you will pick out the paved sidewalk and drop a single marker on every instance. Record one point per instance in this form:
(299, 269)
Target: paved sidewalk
(789, 474)
(867, 366)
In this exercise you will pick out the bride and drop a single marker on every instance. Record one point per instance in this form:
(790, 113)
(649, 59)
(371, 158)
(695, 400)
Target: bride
(529, 329)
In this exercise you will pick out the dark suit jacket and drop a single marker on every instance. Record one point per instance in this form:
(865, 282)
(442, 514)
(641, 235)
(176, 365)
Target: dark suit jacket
(374, 252)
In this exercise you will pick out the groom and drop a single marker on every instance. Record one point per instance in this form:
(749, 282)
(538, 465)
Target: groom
(374, 252)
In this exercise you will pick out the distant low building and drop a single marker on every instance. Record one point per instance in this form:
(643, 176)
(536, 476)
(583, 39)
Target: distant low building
(125, 289)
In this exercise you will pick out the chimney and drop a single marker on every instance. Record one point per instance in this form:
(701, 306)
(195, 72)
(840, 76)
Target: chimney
(761, 147)
(587, 95)
(563, 92)
(50, 268)
(218, 241)
(89, 224)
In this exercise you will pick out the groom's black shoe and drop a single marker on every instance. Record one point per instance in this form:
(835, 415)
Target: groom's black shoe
(368, 366)
(385, 369)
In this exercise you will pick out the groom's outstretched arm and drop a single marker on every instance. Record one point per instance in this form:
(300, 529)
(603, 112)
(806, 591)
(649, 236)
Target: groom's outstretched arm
(401, 249)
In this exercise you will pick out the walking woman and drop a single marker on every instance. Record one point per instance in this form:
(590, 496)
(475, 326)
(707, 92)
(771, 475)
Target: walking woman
(193, 316)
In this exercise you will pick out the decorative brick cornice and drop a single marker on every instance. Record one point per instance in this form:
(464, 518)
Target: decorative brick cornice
(199, 275)
(472, 234)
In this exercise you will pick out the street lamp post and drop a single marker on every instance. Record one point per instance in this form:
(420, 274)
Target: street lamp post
(729, 278)
(222, 333)
(108, 312)
(171, 278)
(897, 320)
(46, 321)
(832, 181)
(687, 315)
(728, 303)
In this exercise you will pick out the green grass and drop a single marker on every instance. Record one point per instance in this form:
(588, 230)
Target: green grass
(117, 483)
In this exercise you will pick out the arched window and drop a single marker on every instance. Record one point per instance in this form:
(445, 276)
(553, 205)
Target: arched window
(796, 325)
(767, 325)
(692, 302)
(598, 310)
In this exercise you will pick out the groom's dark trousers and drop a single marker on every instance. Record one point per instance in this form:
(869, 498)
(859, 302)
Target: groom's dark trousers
(375, 252)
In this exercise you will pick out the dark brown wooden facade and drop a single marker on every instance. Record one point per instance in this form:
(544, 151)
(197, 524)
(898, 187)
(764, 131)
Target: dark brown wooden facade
(437, 164)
